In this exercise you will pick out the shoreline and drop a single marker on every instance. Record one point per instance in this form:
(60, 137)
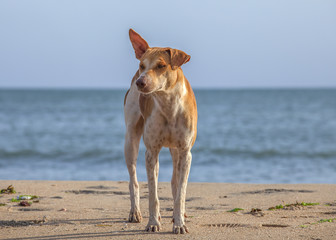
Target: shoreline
(99, 210)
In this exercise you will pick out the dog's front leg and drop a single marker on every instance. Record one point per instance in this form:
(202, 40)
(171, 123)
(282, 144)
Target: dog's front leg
(152, 167)
(179, 202)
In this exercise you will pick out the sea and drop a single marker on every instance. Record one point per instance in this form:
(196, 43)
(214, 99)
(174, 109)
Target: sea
(244, 136)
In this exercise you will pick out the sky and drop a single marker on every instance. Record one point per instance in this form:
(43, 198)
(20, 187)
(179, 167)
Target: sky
(233, 44)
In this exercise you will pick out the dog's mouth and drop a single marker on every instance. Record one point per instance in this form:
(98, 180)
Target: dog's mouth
(145, 91)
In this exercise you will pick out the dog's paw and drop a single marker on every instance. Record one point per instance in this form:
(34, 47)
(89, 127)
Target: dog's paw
(135, 216)
(153, 226)
(180, 229)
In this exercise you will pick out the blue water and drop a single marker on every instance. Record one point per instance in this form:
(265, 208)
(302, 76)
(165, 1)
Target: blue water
(247, 136)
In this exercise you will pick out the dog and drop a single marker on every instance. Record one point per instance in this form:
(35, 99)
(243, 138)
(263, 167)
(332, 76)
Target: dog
(161, 106)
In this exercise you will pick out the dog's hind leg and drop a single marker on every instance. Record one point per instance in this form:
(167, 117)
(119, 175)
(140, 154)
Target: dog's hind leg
(134, 130)
(179, 202)
(174, 179)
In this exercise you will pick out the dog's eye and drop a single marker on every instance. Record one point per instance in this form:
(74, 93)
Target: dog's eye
(142, 67)
(161, 65)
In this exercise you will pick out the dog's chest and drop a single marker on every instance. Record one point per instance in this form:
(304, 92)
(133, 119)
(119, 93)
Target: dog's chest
(166, 129)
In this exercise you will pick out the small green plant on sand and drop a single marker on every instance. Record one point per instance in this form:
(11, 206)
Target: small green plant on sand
(276, 207)
(331, 204)
(320, 221)
(2, 204)
(14, 200)
(327, 220)
(9, 190)
(308, 204)
(297, 204)
(236, 210)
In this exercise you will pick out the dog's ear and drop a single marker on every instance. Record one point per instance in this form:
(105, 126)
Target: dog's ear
(139, 44)
(177, 58)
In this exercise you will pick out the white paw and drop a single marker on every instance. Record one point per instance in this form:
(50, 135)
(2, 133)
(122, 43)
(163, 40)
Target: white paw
(153, 226)
(135, 216)
(180, 229)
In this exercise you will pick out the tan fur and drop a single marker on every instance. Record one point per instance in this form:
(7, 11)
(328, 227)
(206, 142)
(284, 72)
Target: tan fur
(161, 106)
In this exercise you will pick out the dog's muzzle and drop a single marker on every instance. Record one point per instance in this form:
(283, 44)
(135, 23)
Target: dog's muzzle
(141, 82)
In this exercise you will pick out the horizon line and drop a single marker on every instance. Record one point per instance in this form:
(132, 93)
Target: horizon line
(194, 88)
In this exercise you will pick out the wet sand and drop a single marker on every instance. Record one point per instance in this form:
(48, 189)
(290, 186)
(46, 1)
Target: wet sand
(99, 210)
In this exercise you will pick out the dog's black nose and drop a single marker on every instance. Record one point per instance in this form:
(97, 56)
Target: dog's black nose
(140, 83)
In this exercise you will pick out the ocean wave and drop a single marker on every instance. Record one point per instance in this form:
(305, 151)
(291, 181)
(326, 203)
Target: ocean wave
(26, 153)
(118, 155)
(95, 154)
(266, 153)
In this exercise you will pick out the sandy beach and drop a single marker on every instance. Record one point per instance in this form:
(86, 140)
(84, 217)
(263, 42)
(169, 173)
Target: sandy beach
(99, 210)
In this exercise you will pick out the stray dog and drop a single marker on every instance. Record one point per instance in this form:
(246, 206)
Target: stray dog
(161, 106)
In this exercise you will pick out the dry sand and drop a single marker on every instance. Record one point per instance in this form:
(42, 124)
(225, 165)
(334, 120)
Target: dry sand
(98, 210)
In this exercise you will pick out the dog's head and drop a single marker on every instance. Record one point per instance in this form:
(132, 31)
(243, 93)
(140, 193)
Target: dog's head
(157, 68)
